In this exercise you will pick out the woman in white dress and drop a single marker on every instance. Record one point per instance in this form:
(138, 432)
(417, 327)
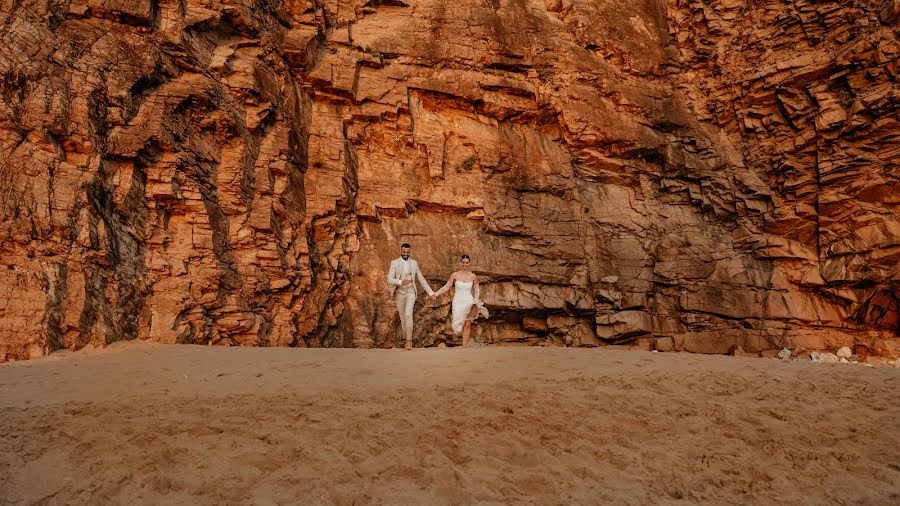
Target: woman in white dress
(466, 297)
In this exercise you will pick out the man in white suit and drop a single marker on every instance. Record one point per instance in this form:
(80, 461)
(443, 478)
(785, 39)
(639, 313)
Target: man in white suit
(401, 280)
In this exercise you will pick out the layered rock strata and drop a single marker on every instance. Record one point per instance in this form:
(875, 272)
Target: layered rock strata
(677, 175)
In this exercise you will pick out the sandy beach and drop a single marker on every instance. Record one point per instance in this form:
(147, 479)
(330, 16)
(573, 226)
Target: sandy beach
(139, 423)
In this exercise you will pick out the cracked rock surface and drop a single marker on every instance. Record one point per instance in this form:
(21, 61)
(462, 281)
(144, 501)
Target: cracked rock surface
(668, 174)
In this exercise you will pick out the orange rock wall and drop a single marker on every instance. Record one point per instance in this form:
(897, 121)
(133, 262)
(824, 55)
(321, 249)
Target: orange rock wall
(674, 174)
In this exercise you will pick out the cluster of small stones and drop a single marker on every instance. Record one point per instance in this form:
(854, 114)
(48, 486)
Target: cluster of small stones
(844, 355)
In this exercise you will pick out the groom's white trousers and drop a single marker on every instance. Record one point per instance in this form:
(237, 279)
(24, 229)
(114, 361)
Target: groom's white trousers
(405, 298)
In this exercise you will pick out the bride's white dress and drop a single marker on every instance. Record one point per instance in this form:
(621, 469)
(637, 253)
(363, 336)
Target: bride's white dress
(467, 294)
(463, 300)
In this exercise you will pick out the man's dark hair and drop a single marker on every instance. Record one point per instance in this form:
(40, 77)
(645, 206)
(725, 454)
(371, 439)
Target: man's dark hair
(405, 245)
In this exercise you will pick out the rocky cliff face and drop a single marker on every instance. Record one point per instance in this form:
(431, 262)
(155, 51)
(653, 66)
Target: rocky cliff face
(675, 174)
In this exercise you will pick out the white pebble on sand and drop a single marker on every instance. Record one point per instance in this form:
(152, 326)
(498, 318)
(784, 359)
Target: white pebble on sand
(829, 358)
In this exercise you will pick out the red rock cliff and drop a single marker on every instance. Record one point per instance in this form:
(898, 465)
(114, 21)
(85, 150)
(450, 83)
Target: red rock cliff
(675, 173)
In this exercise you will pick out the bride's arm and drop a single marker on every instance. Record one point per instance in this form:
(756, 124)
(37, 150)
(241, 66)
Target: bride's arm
(446, 287)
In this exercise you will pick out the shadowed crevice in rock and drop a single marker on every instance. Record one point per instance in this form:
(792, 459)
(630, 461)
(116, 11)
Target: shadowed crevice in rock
(56, 291)
(114, 291)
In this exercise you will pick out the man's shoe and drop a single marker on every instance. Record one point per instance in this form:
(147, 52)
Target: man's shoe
(408, 345)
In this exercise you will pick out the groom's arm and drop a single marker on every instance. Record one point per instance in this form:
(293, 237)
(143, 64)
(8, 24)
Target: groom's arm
(424, 282)
(391, 279)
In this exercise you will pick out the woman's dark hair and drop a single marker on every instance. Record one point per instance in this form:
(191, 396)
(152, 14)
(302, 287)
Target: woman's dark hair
(465, 257)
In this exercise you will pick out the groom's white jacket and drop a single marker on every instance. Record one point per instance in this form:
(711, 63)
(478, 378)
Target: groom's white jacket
(396, 270)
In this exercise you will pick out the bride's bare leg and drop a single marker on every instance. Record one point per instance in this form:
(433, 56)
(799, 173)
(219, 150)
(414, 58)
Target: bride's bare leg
(467, 327)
